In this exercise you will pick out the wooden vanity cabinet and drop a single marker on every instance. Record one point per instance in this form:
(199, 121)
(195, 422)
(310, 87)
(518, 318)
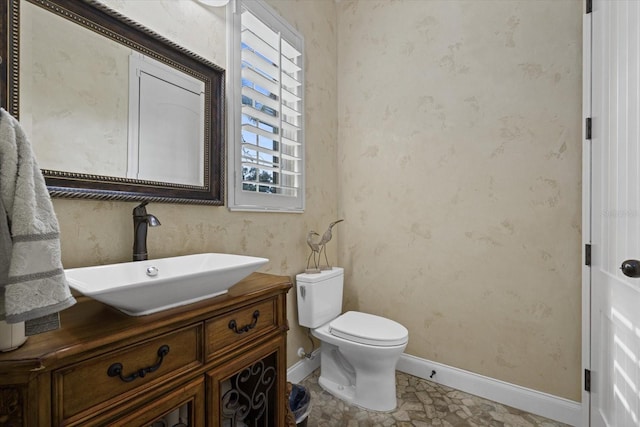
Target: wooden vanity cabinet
(218, 362)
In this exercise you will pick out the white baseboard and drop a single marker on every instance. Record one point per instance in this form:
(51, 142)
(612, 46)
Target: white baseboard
(525, 399)
(303, 368)
(535, 402)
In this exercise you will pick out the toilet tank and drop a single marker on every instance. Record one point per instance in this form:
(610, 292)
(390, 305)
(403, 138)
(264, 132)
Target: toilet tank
(319, 297)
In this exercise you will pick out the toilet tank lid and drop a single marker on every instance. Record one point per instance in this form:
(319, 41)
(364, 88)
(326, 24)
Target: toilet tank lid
(319, 277)
(369, 329)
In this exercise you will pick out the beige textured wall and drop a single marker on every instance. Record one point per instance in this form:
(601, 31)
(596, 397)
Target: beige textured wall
(457, 171)
(102, 232)
(459, 166)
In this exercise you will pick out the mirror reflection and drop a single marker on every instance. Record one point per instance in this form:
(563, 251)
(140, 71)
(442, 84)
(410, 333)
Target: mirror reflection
(73, 93)
(94, 106)
(114, 110)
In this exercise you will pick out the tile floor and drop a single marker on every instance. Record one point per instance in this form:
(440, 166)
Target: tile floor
(420, 403)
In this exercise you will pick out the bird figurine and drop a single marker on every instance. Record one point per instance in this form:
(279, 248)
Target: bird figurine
(323, 242)
(315, 251)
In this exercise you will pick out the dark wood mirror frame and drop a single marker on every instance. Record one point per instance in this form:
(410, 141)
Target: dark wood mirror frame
(102, 20)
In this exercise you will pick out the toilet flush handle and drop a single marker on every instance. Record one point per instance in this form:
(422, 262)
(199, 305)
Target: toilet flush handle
(302, 291)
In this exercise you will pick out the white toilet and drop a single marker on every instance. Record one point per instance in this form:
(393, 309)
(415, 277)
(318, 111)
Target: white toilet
(359, 351)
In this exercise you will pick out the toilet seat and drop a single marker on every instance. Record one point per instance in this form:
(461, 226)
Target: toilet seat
(368, 329)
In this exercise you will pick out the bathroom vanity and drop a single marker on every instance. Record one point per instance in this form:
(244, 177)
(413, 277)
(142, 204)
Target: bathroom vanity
(211, 363)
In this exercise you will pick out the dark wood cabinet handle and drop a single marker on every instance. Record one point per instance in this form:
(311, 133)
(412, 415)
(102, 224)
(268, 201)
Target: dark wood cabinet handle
(246, 328)
(115, 370)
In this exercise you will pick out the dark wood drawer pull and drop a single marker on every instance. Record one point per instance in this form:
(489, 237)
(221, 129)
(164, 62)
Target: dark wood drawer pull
(246, 328)
(115, 370)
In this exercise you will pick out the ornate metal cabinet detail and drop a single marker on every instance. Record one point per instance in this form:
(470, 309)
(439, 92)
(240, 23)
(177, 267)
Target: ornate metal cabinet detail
(246, 391)
(219, 362)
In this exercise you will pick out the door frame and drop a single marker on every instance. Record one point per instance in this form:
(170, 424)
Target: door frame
(586, 210)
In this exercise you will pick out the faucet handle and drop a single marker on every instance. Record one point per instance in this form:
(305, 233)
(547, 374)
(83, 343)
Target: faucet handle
(152, 220)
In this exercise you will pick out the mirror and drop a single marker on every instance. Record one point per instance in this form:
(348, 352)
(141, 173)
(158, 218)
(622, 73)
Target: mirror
(113, 110)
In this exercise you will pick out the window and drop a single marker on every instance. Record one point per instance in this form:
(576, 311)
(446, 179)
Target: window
(266, 110)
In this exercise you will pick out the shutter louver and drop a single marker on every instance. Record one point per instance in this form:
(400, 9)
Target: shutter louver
(271, 114)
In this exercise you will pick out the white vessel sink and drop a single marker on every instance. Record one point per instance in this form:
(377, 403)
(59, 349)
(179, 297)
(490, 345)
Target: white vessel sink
(145, 287)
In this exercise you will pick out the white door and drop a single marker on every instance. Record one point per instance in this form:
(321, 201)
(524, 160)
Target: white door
(166, 140)
(170, 139)
(615, 224)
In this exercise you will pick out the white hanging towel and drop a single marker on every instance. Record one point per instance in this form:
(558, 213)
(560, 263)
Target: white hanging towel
(35, 288)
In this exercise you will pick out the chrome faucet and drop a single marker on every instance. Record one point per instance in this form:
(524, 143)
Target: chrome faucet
(141, 220)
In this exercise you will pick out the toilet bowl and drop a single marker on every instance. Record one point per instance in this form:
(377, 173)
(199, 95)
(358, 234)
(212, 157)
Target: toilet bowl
(359, 351)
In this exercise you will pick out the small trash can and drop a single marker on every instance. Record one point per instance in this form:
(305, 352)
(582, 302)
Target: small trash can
(300, 404)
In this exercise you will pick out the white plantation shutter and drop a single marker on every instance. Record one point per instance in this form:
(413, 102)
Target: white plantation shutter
(266, 150)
